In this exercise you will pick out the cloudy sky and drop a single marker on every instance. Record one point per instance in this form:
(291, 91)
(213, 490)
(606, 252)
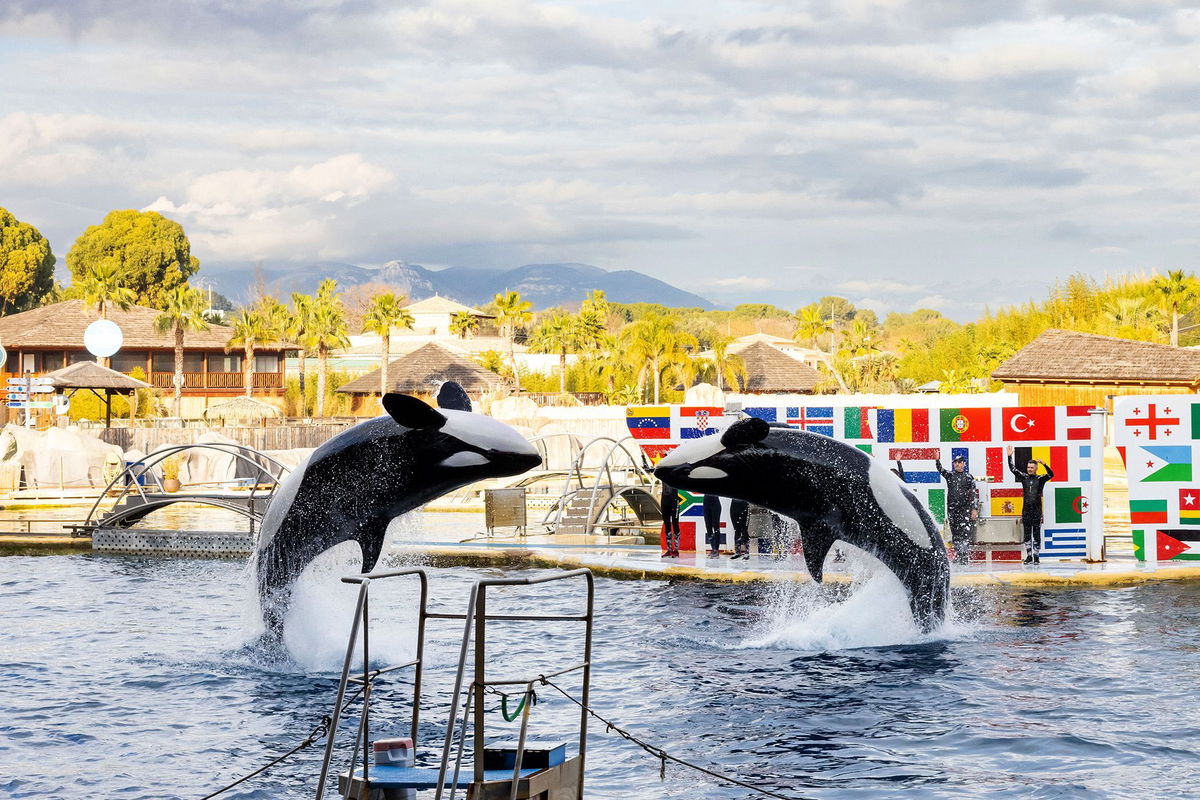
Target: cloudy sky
(944, 153)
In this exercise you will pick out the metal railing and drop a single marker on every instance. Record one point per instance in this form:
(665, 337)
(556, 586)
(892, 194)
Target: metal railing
(605, 471)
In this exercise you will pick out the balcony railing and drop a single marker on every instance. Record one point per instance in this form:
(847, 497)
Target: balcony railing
(217, 380)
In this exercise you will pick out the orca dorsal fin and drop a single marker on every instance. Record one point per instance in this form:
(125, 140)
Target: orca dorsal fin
(818, 537)
(411, 412)
(453, 397)
(745, 431)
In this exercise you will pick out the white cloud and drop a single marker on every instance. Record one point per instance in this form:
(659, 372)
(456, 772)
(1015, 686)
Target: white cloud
(744, 282)
(1109, 250)
(895, 287)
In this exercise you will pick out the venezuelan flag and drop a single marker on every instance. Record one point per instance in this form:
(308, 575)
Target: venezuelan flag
(649, 422)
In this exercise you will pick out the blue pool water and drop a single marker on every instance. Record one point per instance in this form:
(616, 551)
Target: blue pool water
(132, 678)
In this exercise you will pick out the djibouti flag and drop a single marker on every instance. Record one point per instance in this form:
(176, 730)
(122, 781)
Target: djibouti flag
(1160, 464)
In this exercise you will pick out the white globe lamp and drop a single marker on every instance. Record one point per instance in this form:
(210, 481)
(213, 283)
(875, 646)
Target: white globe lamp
(103, 338)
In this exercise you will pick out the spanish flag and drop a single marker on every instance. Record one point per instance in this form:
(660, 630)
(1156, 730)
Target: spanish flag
(1007, 502)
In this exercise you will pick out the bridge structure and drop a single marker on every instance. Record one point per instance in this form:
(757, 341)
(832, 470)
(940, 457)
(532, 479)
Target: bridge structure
(138, 490)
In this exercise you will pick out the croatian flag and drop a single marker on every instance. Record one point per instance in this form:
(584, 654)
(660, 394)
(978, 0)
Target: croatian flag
(818, 419)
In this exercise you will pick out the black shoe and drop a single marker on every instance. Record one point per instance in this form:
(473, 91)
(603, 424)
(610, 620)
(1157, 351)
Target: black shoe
(1028, 560)
(1037, 559)
(713, 553)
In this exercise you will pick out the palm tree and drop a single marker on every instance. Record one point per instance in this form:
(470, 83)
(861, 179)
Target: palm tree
(810, 326)
(183, 311)
(297, 330)
(103, 285)
(730, 369)
(463, 324)
(328, 332)
(385, 312)
(657, 343)
(558, 334)
(251, 327)
(1175, 290)
(512, 312)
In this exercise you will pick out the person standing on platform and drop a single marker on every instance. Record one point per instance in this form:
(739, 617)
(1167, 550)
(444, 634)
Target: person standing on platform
(712, 524)
(670, 515)
(1032, 485)
(962, 506)
(739, 512)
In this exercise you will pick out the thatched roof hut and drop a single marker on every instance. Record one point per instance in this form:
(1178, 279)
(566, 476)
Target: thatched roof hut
(423, 369)
(1069, 368)
(770, 371)
(241, 409)
(90, 375)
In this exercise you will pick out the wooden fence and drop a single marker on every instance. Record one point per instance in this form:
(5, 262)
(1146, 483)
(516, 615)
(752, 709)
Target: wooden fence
(273, 437)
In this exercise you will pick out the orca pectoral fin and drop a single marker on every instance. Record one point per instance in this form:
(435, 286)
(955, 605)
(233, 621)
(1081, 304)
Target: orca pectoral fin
(818, 538)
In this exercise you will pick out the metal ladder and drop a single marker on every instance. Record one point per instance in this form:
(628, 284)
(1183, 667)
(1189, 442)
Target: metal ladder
(475, 629)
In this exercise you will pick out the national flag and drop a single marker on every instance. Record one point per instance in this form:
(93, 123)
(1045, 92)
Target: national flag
(1085, 457)
(966, 424)
(924, 456)
(1189, 506)
(649, 422)
(1006, 502)
(937, 505)
(1196, 420)
(765, 413)
(1170, 463)
(687, 536)
(1166, 544)
(902, 424)
(1143, 512)
(655, 452)
(866, 448)
(1079, 423)
(817, 419)
(696, 422)
(1154, 422)
(1064, 542)
(994, 462)
(1056, 457)
(1069, 504)
(691, 504)
(1027, 424)
(856, 423)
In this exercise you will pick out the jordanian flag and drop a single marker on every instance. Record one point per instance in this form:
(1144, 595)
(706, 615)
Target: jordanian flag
(966, 424)
(1143, 512)
(1069, 504)
(1167, 544)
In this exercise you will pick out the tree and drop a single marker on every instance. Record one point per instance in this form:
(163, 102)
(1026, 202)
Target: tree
(386, 311)
(251, 327)
(299, 332)
(183, 311)
(730, 369)
(811, 324)
(557, 334)
(1175, 290)
(463, 324)
(512, 312)
(102, 285)
(151, 253)
(26, 265)
(328, 331)
(657, 343)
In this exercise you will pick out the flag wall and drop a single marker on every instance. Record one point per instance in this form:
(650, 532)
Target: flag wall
(1158, 437)
(1057, 435)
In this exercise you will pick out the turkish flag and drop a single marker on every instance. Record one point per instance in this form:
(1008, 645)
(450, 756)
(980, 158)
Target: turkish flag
(1028, 424)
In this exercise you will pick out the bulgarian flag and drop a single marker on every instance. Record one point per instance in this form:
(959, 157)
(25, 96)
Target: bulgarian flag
(966, 424)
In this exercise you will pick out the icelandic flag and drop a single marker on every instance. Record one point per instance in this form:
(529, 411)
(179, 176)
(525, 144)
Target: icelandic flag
(817, 419)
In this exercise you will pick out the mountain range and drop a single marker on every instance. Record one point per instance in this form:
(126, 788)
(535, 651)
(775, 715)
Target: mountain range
(545, 285)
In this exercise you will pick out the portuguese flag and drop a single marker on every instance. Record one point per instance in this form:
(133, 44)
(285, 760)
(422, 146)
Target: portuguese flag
(1068, 504)
(1142, 512)
(966, 424)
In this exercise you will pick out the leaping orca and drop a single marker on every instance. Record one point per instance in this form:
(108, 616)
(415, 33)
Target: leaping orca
(833, 491)
(357, 482)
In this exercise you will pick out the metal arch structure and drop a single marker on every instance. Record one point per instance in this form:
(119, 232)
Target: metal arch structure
(604, 484)
(134, 502)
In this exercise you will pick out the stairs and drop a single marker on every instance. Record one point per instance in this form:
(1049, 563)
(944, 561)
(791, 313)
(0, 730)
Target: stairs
(574, 519)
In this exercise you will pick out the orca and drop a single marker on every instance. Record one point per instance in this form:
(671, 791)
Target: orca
(833, 491)
(357, 482)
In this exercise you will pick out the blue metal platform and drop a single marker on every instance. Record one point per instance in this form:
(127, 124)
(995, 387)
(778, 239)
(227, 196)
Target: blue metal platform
(424, 778)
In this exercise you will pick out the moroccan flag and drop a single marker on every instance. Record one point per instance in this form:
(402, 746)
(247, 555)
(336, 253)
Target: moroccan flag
(857, 423)
(1006, 502)
(1069, 504)
(1166, 544)
(1027, 424)
(1143, 512)
(1189, 506)
(903, 424)
(1056, 457)
(966, 424)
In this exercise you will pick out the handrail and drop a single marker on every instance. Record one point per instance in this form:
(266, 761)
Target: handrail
(361, 609)
(605, 469)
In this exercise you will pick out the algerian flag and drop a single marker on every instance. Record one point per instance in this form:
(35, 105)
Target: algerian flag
(1159, 463)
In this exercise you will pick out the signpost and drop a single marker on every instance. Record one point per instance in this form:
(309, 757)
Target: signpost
(20, 391)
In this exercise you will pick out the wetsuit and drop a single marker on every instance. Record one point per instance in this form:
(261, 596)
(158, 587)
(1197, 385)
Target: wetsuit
(712, 523)
(670, 515)
(1031, 508)
(962, 497)
(739, 511)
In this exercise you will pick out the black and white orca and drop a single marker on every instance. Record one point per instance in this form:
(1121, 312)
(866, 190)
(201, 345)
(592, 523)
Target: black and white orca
(357, 482)
(833, 491)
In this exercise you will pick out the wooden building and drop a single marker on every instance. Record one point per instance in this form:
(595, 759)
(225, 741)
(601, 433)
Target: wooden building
(1068, 368)
(420, 373)
(771, 371)
(49, 338)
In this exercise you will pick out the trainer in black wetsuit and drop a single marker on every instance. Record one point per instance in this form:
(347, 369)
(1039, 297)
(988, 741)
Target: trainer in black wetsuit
(962, 507)
(712, 524)
(739, 513)
(1032, 485)
(670, 515)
